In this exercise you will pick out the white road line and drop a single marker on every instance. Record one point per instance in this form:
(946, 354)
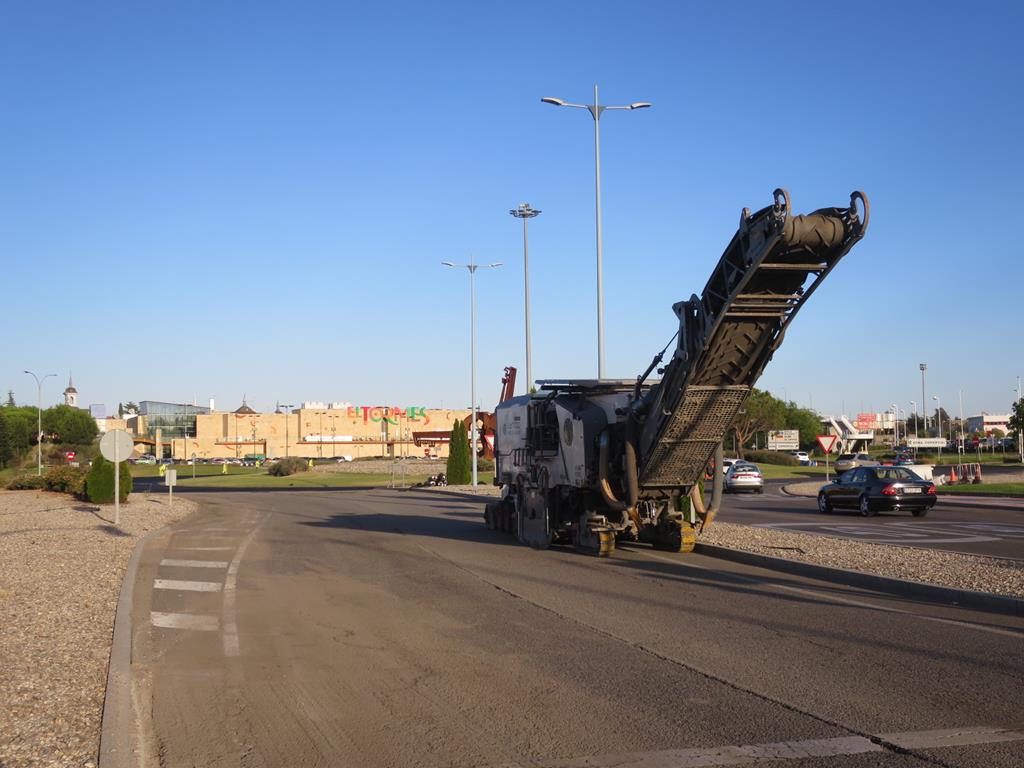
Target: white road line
(782, 750)
(183, 621)
(229, 614)
(952, 737)
(820, 595)
(187, 586)
(195, 563)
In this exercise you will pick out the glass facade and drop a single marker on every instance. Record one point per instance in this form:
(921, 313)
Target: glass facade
(175, 420)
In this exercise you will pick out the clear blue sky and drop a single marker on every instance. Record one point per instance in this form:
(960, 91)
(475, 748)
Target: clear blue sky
(209, 199)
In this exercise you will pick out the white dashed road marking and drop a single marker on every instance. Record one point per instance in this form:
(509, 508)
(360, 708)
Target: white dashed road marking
(951, 737)
(184, 621)
(195, 563)
(187, 586)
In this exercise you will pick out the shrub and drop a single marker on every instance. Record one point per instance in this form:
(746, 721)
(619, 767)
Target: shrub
(99, 483)
(27, 483)
(288, 466)
(65, 480)
(458, 467)
(771, 457)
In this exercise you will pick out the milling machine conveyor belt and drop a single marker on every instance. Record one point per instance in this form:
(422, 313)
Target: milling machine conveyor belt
(773, 264)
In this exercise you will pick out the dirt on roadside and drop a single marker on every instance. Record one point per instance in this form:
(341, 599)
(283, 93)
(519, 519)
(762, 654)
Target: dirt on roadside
(62, 562)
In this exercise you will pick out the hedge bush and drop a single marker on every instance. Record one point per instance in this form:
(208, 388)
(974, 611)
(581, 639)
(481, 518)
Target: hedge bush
(288, 466)
(771, 457)
(56, 479)
(99, 483)
(27, 483)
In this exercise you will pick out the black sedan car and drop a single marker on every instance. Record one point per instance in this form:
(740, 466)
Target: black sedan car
(870, 489)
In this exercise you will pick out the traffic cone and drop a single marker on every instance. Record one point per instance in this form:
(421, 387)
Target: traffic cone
(952, 475)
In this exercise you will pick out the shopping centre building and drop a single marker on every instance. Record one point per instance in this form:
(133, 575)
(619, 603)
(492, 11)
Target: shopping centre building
(315, 431)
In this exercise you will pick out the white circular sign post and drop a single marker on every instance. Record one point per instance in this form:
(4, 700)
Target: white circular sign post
(116, 446)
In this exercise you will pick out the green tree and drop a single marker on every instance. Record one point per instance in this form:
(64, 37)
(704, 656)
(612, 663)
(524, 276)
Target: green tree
(99, 484)
(1016, 422)
(805, 420)
(69, 425)
(458, 468)
(6, 449)
(761, 411)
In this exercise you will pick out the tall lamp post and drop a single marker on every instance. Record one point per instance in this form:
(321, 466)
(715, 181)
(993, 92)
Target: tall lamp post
(924, 367)
(286, 406)
(1020, 427)
(39, 419)
(917, 431)
(525, 212)
(895, 425)
(472, 268)
(596, 110)
(938, 419)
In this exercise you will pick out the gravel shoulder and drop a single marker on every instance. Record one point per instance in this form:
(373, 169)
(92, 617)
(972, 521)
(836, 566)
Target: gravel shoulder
(62, 562)
(948, 569)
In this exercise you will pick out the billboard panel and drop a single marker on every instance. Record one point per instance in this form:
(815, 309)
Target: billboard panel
(784, 440)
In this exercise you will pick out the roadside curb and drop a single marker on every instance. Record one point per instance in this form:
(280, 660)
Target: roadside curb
(117, 729)
(787, 492)
(982, 601)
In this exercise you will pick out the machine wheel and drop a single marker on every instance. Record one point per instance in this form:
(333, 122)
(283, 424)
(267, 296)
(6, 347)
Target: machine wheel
(865, 507)
(920, 512)
(489, 516)
(606, 543)
(824, 505)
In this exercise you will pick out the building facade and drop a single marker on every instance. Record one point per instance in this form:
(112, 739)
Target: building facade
(316, 433)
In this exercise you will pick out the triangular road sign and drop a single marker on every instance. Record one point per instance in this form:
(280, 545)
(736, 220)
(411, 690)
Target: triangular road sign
(827, 442)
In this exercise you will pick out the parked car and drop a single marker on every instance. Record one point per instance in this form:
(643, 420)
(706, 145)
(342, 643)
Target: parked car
(744, 476)
(344, 459)
(848, 461)
(146, 458)
(869, 489)
(727, 465)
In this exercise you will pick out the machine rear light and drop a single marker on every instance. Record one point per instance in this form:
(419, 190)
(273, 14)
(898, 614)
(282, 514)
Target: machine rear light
(890, 490)
(931, 489)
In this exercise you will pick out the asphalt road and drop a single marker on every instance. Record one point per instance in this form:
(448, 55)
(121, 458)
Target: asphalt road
(980, 526)
(391, 628)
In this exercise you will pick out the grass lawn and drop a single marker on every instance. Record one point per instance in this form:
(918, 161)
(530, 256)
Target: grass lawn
(202, 470)
(258, 478)
(985, 489)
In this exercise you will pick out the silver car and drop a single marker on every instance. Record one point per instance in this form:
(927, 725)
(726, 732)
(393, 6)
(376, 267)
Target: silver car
(851, 460)
(744, 476)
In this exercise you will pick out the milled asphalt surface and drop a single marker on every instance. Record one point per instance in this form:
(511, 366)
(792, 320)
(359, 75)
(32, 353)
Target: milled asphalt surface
(978, 526)
(390, 628)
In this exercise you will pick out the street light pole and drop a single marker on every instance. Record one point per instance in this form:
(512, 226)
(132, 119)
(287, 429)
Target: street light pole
(917, 432)
(525, 212)
(938, 419)
(895, 426)
(39, 419)
(472, 268)
(286, 407)
(596, 110)
(924, 367)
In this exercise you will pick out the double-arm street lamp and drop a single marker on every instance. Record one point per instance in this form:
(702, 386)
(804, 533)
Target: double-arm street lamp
(525, 212)
(596, 110)
(472, 268)
(39, 420)
(286, 407)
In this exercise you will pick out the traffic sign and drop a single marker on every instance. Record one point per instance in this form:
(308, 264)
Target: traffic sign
(70, 455)
(926, 442)
(116, 445)
(827, 442)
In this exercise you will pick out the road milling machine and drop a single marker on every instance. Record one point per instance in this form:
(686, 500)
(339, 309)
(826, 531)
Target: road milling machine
(591, 462)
